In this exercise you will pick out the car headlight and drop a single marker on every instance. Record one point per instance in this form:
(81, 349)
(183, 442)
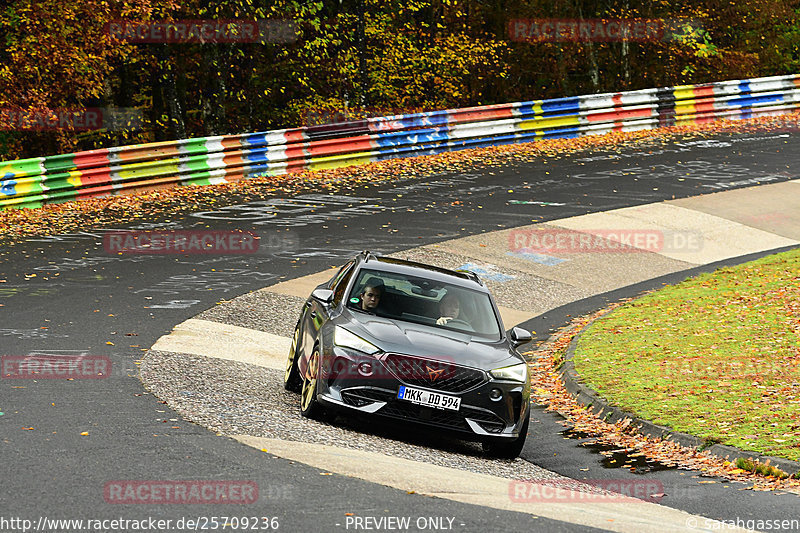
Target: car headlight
(342, 337)
(512, 373)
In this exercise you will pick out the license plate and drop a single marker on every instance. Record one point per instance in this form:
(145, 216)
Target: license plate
(429, 398)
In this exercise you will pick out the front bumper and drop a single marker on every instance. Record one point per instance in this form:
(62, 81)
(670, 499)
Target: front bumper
(344, 388)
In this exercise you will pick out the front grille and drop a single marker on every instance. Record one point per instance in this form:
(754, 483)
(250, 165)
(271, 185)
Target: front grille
(425, 415)
(432, 374)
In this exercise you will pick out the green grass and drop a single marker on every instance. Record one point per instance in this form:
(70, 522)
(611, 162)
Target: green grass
(717, 356)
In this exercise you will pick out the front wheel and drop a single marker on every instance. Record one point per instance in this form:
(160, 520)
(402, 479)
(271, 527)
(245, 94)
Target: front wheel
(508, 448)
(309, 405)
(291, 378)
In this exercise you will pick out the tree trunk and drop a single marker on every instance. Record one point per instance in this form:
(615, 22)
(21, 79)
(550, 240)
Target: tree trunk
(625, 49)
(594, 69)
(172, 101)
(217, 62)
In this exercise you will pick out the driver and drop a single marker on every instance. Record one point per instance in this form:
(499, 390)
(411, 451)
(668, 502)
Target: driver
(371, 295)
(449, 308)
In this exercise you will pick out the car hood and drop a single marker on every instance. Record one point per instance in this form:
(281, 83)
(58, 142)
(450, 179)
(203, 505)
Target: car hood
(398, 336)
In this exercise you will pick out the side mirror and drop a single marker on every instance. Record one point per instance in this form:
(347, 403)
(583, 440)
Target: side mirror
(520, 336)
(323, 295)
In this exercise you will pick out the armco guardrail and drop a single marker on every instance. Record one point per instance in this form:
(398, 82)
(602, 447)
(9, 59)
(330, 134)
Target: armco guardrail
(208, 160)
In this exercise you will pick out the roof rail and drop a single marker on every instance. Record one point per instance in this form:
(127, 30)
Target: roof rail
(368, 255)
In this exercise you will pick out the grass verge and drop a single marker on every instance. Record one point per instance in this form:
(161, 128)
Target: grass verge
(716, 356)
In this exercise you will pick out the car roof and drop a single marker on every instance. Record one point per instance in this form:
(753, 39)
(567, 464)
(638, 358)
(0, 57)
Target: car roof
(401, 266)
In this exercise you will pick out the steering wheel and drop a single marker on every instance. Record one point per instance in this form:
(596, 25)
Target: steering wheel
(459, 322)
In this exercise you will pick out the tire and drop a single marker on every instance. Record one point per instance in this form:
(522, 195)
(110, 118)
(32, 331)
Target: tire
(309, 405)
(508, 448)
(291, 378)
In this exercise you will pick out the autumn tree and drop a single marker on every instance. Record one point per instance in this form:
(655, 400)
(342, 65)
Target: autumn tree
(350, 58)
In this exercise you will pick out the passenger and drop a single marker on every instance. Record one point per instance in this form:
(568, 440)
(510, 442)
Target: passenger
(449, 308)
(371, 295)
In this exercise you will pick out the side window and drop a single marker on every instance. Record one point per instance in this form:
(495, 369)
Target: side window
(339, 273)
(340, 284)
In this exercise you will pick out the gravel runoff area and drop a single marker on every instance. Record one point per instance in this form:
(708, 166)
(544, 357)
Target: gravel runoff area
(233, 398)
(262, 310)
(277, 313)
(526, 292)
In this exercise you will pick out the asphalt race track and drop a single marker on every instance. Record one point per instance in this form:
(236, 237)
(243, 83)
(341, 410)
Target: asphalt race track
(67, 295)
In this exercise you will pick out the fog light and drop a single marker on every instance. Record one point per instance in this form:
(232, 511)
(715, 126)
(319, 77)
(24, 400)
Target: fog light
(495, 394)
(365, 369)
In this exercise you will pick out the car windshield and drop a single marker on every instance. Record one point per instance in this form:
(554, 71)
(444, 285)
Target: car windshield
(422, 301)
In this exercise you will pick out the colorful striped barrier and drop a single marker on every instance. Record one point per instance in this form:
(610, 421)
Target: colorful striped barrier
(229, 158)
